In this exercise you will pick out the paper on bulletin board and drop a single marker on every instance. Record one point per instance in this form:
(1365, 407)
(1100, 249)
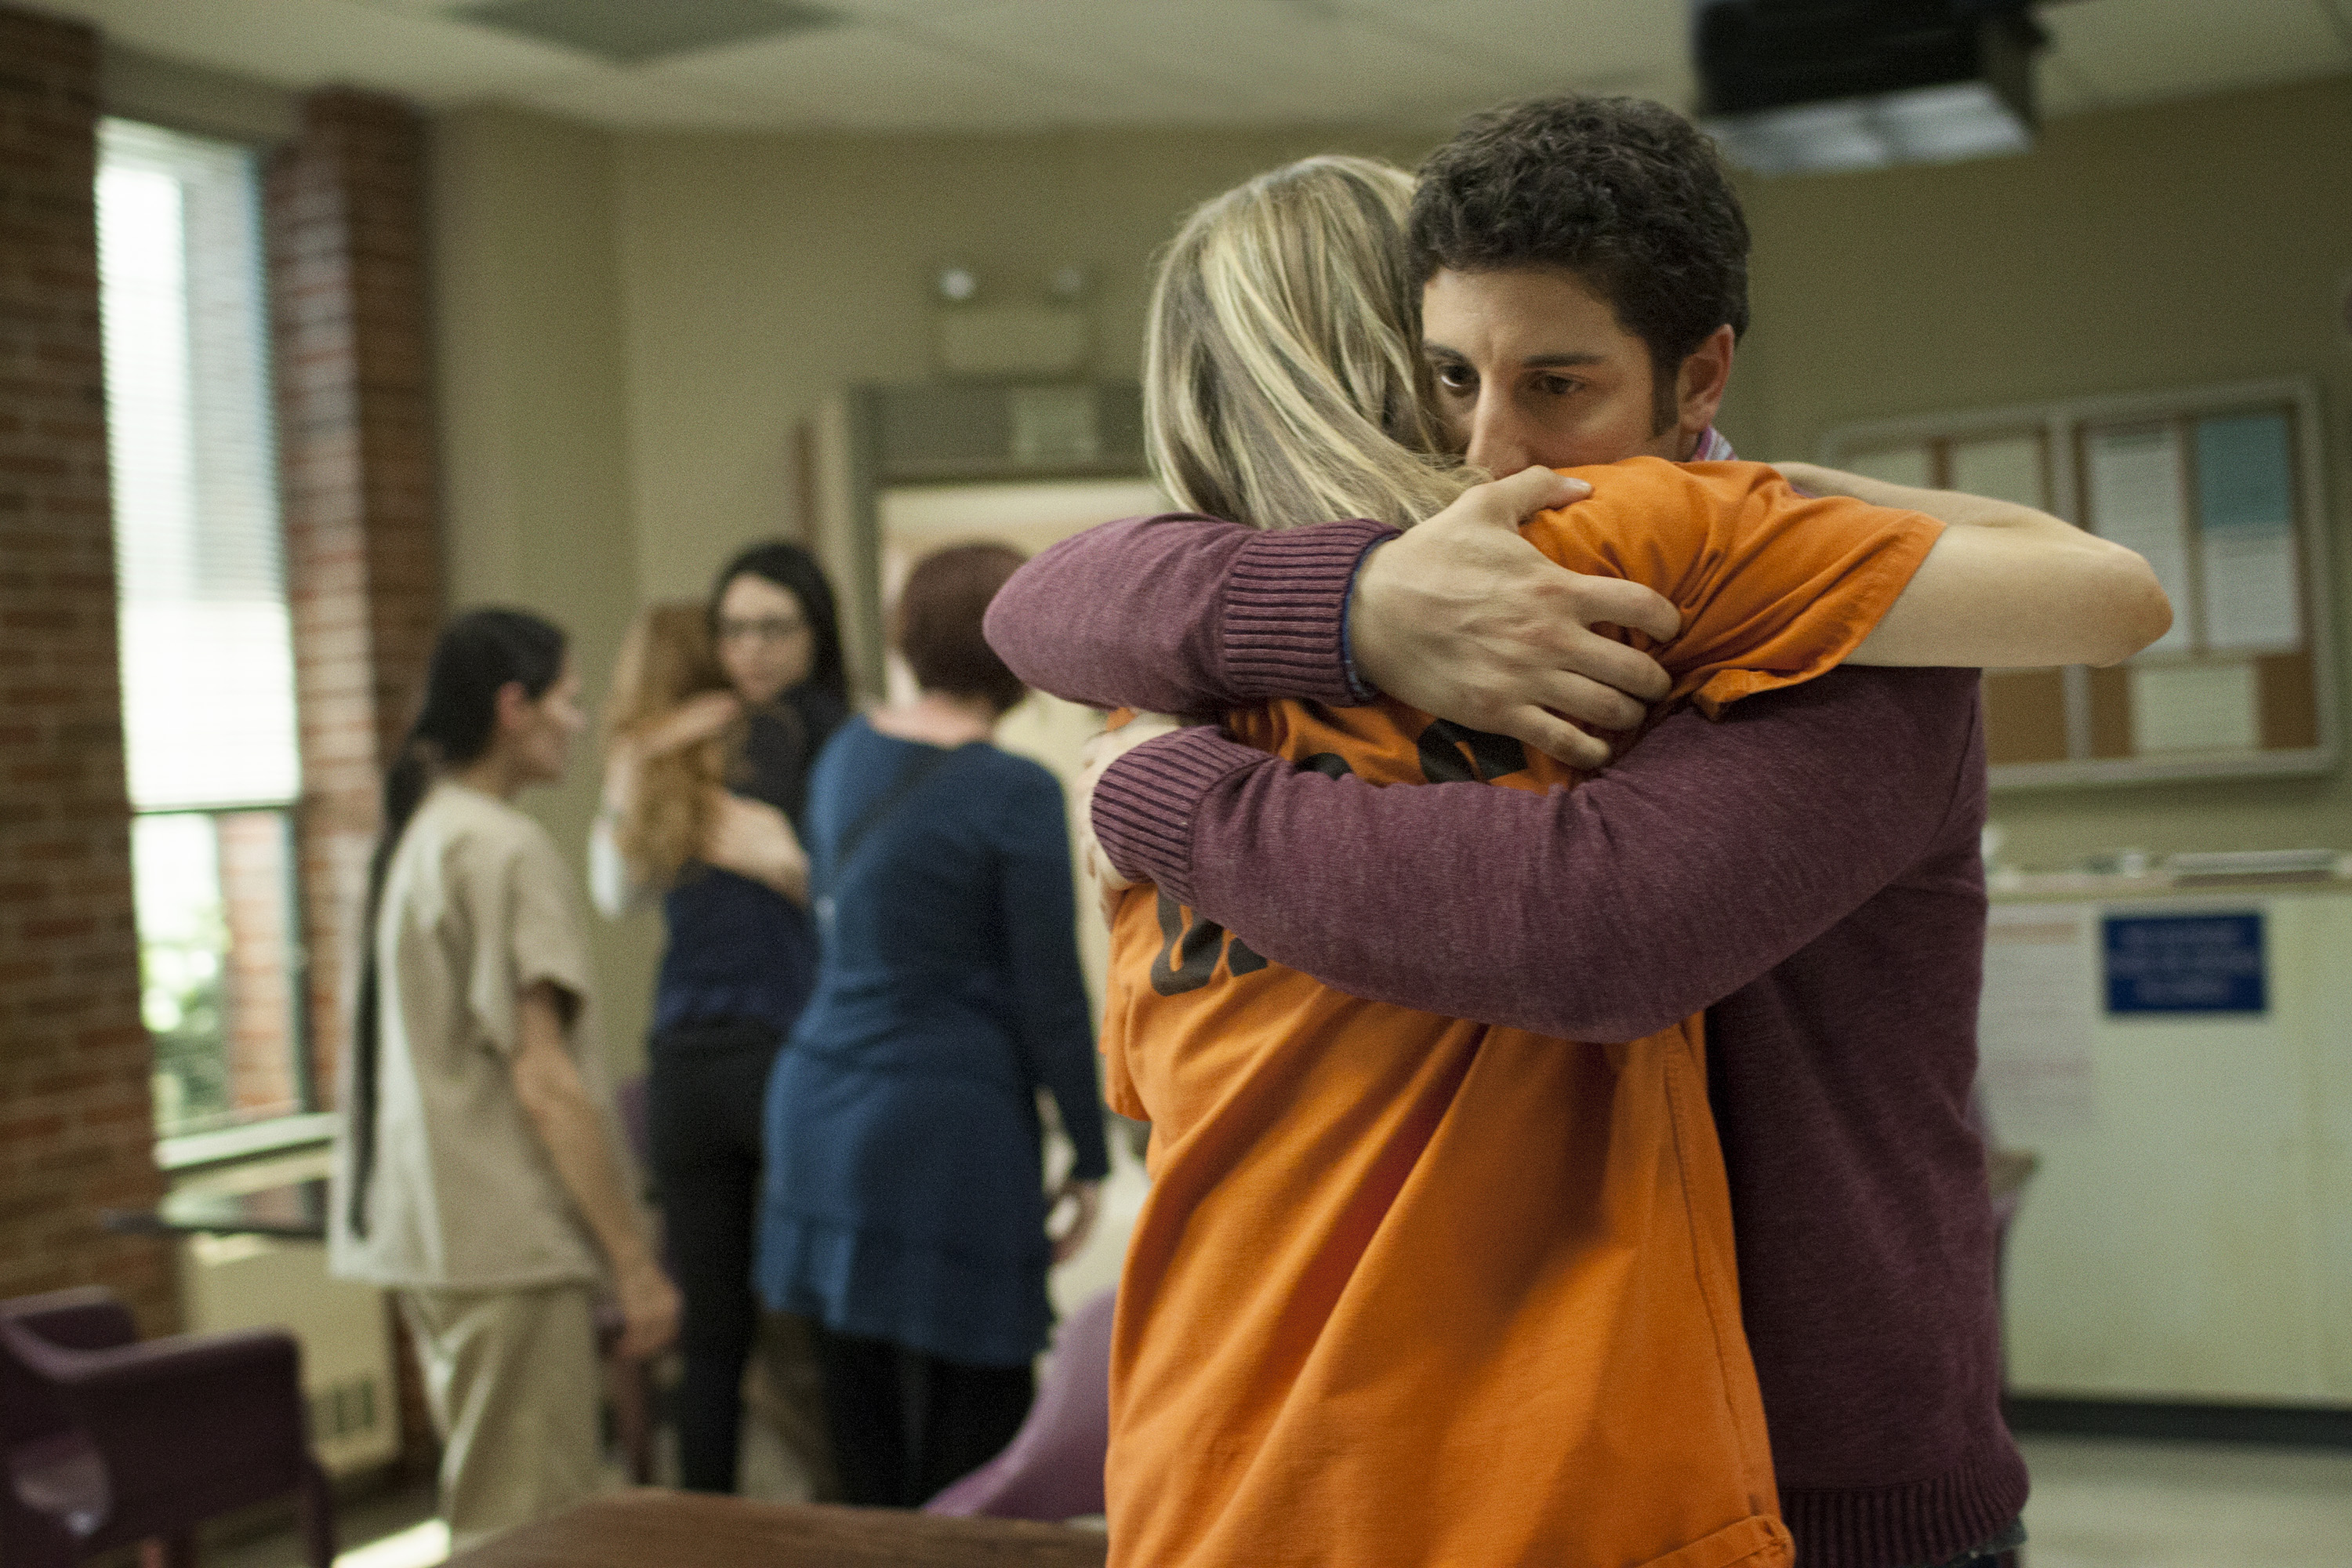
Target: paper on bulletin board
(2136, 500)
(2034, 1029)
(2005, 467)
(2245, 506)
(2195, 708)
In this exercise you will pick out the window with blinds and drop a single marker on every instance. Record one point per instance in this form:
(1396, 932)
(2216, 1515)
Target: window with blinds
(206, 650)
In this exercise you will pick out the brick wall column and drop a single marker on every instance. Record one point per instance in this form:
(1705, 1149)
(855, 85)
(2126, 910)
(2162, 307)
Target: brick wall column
(346, 238)
(257, 990)
(77, 1129)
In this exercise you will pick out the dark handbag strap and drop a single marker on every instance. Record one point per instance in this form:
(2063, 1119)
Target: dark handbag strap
(868, 820)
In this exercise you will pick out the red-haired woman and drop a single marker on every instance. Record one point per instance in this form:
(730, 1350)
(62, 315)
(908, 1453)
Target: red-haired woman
(903, 1208)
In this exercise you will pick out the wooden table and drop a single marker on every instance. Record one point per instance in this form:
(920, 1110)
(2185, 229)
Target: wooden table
(653, 1529)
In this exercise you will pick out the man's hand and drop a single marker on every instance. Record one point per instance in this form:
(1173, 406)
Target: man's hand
(1463, 619)
(650, 1309)
(1096, 757)
(1084, 1199)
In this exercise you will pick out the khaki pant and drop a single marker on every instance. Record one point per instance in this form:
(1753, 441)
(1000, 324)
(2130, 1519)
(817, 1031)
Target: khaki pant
(784, 1389)
(513, 1382)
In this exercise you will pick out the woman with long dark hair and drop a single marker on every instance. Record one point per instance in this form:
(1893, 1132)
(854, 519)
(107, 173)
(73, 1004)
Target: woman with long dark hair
(481, 1174)
(713, 731)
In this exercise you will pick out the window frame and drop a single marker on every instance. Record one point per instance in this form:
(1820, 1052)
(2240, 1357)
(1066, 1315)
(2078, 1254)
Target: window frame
(306, 1122)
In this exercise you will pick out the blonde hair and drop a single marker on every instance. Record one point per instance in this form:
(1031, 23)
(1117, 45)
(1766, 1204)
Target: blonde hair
(1283, 382)
(665, 658)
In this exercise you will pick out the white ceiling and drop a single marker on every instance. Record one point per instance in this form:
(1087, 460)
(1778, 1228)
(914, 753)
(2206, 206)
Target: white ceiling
(1007, 65)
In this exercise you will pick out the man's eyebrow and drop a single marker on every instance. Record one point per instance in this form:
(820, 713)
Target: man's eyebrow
(1566, 360)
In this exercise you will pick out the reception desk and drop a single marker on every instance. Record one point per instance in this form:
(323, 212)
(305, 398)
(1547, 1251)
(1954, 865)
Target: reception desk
(2188, 1237)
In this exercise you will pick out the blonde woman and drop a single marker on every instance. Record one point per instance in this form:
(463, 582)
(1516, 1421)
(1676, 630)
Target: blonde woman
(1409, 1288)
(719, 710)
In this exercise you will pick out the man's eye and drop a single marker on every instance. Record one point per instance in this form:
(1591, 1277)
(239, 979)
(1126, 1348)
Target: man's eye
(1555, 385)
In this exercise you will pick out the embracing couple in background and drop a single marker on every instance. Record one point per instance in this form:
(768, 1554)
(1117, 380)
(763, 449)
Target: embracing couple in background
(1569, 1159)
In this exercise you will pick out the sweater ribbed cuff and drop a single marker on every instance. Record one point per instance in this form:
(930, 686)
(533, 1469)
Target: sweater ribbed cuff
(1285, 611)
(1145, 801)
(1927, 1522)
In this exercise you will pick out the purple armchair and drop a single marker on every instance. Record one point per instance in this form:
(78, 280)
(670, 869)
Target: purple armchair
(105, 1441)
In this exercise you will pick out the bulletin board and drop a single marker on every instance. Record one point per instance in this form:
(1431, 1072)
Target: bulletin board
(2220, 488)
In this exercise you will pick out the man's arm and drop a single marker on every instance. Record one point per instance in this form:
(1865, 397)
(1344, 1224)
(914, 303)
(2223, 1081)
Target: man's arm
(2008, 585)
(1182, 614)
(1713, 851)
(557, 1102)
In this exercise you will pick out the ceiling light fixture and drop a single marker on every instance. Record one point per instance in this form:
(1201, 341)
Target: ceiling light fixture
(1815, 86)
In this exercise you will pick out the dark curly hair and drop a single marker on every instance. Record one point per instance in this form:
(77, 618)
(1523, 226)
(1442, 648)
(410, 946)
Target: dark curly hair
(1623, 192)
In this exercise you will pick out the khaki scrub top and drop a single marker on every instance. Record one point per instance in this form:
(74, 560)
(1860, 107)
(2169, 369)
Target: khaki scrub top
(477, 906)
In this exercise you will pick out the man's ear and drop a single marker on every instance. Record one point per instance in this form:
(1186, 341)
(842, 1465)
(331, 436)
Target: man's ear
(1699, 386)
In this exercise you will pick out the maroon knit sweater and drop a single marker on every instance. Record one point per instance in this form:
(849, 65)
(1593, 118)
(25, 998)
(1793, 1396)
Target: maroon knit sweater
(1806, 872)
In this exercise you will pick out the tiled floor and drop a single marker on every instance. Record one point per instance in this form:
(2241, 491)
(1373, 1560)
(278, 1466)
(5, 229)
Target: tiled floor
(2103, 1504)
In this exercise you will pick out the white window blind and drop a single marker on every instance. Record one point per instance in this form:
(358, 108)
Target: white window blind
(207, 658)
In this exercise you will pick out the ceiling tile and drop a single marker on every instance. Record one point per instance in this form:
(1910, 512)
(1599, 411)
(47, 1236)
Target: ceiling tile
(908, 10)
(2059, 88)
(311, 43)
(626, 100)
(1093, 40)
(628, 32)
(1505, 49)
(2137, 51)
(420, 7)
(1574, 40)
(1250, 60)
(860, 76)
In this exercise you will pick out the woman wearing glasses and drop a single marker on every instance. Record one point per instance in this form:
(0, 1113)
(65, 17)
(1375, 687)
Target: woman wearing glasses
(718, 731)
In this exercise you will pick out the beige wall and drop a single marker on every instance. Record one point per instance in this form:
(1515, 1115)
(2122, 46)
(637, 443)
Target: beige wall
(535, 436)
(763, 273)
(2187, 244)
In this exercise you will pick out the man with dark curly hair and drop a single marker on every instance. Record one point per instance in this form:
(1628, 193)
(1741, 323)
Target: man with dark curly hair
(1604, 234)
(1805, 873)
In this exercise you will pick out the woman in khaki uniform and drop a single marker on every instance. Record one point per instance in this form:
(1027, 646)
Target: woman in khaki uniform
(481, 1175)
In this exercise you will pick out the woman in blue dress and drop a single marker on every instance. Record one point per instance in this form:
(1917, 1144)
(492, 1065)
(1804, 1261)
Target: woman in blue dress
(903, 1208)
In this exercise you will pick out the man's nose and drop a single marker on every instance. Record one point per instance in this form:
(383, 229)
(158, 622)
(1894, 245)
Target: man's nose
(1498, 443)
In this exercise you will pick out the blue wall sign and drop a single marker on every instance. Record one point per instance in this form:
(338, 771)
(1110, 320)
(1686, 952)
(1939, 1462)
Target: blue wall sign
(2186, 964)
